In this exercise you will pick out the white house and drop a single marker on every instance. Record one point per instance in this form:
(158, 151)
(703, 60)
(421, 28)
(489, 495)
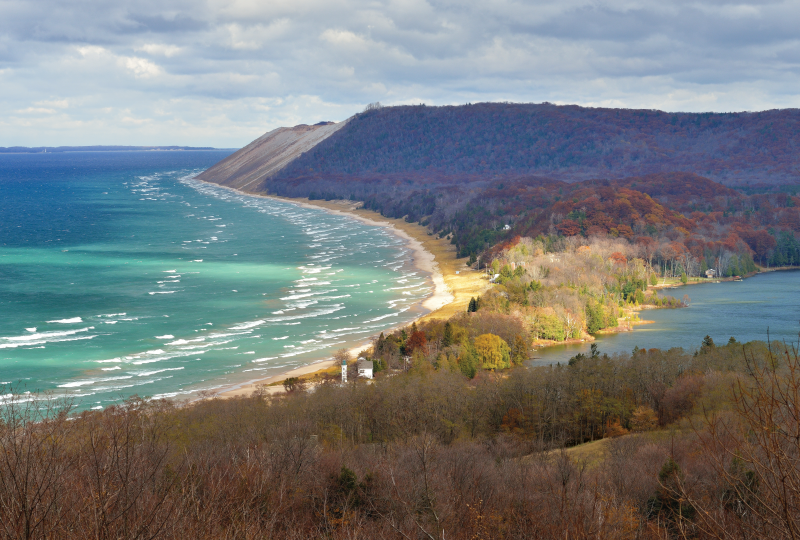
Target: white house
(710, 273)
(365, 368)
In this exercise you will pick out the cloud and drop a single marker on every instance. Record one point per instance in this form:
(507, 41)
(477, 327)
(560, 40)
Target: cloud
(220, 72)
(159, 49)
(140, 67)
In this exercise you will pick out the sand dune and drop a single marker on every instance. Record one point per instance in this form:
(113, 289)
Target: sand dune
(264, 157)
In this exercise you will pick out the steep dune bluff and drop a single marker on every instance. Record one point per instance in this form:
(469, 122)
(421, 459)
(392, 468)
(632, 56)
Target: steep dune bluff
(267, 155)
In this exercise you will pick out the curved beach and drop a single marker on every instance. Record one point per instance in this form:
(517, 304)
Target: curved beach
(453, 282)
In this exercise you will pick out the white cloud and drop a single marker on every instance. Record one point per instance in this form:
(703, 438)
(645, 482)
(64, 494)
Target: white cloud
(35, 110)
(159, 49)
(345, 38)
(220, 72)
(140, 67)
(57, 103)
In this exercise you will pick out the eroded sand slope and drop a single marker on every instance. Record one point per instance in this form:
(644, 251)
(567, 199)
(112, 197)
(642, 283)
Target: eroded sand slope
(267, 155)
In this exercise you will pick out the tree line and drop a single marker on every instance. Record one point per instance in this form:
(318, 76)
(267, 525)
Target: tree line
(696, 444)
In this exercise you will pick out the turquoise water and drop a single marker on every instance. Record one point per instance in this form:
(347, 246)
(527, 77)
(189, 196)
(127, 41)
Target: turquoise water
(766, 304)
(121, 275)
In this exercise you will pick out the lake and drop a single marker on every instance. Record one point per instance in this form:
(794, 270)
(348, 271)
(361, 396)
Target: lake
(746, 310)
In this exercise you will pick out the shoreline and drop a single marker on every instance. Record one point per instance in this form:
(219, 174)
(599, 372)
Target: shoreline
(453, 283)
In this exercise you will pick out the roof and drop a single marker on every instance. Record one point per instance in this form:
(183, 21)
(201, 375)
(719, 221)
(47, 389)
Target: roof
(364, 364)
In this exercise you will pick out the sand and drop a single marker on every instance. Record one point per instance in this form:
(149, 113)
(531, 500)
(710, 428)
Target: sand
(454, 283)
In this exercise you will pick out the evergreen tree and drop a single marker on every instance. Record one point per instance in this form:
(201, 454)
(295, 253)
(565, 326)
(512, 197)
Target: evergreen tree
(707, 345)
(595, 319)
(667, 503)
(468, 362)
(447, 338)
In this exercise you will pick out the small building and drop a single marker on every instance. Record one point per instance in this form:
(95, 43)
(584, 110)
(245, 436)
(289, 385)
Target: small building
(365, 368)
(344, 370)
(710, 273)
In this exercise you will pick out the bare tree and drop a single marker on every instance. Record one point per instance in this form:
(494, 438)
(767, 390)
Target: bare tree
(34, 461)
(755, 454)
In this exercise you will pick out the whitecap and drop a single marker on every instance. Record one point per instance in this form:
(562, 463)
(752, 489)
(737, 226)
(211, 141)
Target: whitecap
(40, 338)
(265, 359)
(279, 338)
(166, 336)
(306, 295)
(247, 325)
(185, 341)
(162, 292)
(75, 384)
(168, 395)
(383, 317)
(227, 334)
(72, 320)
(32, 329)
(147, 373)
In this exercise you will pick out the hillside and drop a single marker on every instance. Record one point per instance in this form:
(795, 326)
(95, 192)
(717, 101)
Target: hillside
(568, 143)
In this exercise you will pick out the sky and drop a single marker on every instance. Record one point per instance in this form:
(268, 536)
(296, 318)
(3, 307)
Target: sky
(223, 72)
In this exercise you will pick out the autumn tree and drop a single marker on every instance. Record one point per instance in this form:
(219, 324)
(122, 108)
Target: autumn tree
(493, 351)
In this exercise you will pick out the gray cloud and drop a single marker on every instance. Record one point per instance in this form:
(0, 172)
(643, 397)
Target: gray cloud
(221, 72)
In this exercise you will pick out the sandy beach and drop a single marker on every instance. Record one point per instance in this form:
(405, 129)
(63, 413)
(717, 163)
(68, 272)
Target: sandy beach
(454, 283)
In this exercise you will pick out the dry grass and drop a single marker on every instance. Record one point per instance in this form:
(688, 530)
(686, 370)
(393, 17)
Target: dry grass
(592, 453)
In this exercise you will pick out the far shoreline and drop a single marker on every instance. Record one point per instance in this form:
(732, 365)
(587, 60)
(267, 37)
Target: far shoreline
(454, 282)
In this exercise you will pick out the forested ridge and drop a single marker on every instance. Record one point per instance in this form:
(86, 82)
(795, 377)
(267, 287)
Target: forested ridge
(562, 142)
(483, 174)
